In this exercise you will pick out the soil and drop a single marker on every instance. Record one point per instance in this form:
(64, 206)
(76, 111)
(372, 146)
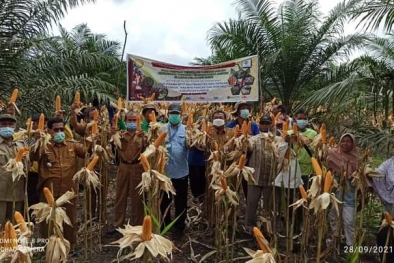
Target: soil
(198, 240)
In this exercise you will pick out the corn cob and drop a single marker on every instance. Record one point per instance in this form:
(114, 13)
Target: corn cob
(259, 237)
(145, 163)
(20, 221)
(303, 192)
(242, 162)
(216, 146)
(204, 112)
(95, 115)
(285, 128)
(49, 197)
(244, 128)
(120, 103)
(147, 229)
(92, 163)
(295, 128)
(41, 122)
(316, 166)
(138, 122)
(223, 183)
(159, 141)
(94, 128)
(388, 218)
(115, 121)
(215, 156)
(203, 126)
(162, 163)
(77, 99)
(10, 238)
(28, 124)
(273, 101)
(331, 142)
(323, 133)
(327, 182)
(14, 96)
(190, 121)
(236, 131)
(184, 107)
(20, 154)
(58, 103)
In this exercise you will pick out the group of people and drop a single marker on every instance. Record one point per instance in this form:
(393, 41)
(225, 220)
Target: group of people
(55, 166)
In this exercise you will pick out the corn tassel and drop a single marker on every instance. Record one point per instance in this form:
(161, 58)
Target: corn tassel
(139, 122)
(20, 154)
(259, 237)
(11, 241)
(303, 192)
(203, 126)
(120, 103)
(159, 141)
(14, 96)
(327, 182)
(92, 163)
(223, 183)
(115, 121)
(295, 128)
(147, 229)
(58, 103)
(242, 162)
(236, 131)
(388, 218)
(145, 163)
(20, 221)
(323, 133)
(95, 115)
(94, 128)
(49, 197)
(77, 99)
(152, 117)
(41, 122)
(316, 166)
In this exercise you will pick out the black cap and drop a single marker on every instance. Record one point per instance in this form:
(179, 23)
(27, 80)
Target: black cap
(175, 108)
(266, 119)
(7, 117)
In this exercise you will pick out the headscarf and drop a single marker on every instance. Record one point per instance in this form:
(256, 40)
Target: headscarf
(339, 161)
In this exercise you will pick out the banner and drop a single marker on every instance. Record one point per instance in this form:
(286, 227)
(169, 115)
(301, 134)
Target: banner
(226, 82)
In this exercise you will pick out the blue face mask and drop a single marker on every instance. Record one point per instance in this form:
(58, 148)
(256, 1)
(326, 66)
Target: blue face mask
(174, 118)
(6, 132)
(59, 137)
(302, 124)
(131, 125)
(244, 114)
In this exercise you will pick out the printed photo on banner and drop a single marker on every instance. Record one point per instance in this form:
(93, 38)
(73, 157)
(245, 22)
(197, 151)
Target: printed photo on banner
(230, 81)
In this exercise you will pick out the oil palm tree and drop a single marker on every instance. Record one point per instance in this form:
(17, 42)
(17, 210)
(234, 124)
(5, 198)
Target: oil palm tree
(293, 43)
(374, 14)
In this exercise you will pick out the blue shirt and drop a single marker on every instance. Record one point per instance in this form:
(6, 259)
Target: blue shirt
(196, 157)
(177, 165)
(255, 127)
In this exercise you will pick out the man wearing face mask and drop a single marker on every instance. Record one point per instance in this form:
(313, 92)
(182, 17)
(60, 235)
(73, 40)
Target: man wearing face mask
(177, 168)
(57, 166)
(8, 149)
(306, 136)
(242, 113)
(129, 173)
(146, 110)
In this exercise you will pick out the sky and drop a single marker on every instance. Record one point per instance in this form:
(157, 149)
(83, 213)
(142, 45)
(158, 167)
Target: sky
(172, 31)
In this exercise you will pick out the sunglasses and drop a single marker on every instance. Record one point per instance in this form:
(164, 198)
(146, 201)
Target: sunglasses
(58, 129)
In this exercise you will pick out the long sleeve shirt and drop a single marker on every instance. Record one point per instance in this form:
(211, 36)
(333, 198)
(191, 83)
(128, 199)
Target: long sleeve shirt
(290, 176)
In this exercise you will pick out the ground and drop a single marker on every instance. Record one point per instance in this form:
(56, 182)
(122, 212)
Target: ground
(198, 241)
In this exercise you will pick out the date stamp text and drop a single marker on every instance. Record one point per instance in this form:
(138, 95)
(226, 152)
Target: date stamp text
(368, 249)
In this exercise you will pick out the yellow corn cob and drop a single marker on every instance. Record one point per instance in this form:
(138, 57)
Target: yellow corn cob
(303, 192)
(328, 182)
(58, 103)
(316, 166)
(242, 162)
(11, 240)
(28, 124)
(203, 126)
(323, 133)
(115, 121)
(273, 100)
(388, 218)
(331, 142)
(249, 127)
(190, 121)
(215, 156)
(223, 183)
(14, 96)
(295, 128)
(145, 163)
(77, 99)
(152, 117)
(120, 103)
(204, 113)
(260, 240)
(20, 154)
(95, 115)
(94, 128)
(236, 131)
(41, 122)
(162, 163)
(20, 221)
(184, 107)
(159, 141)
(92, 163)
(216, 146)
(285, 128)
(138, 122)
(49, 197)
(147, 229)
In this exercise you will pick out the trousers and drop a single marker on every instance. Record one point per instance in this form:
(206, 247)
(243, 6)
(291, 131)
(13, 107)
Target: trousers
(6, 211)
(348, 222)
(197, 181)
(254, 196)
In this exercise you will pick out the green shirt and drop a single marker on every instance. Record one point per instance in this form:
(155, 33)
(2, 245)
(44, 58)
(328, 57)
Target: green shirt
(144, 126)
(303, 157)
(121, 125)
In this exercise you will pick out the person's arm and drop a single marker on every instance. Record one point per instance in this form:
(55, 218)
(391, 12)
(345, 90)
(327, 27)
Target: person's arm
(78, 127)
(80, 150)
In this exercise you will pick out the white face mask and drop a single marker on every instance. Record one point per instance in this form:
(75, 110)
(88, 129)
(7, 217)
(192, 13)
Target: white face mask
(218, 122)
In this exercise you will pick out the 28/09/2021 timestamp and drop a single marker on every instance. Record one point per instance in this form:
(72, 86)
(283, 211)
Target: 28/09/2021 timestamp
(368, 249)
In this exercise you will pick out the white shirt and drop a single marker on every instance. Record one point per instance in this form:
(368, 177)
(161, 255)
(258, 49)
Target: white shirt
(290, 175)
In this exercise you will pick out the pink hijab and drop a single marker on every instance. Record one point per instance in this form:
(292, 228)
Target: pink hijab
(338, 161)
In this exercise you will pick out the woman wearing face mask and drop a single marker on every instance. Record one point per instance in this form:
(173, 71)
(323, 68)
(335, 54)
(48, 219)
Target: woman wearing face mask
(9, 191)
(303, 151)
(242, 113)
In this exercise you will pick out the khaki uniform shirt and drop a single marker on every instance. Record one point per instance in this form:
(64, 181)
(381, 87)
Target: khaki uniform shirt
(57, 166)
(132, 146)
(7, 152)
